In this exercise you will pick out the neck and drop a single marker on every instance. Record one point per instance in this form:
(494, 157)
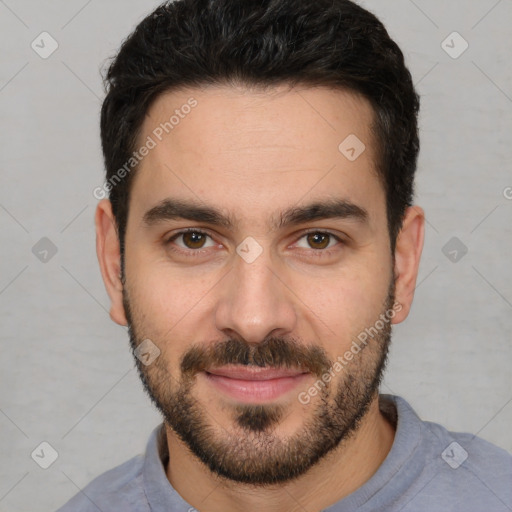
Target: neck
(337, 475)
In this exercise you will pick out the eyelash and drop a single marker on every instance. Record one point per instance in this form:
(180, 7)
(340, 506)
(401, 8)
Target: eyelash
(199, 252)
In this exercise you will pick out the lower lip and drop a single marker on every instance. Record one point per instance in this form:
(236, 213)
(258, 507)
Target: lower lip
(256, 390)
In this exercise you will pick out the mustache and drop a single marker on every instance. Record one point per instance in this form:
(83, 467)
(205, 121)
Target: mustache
(273, 352)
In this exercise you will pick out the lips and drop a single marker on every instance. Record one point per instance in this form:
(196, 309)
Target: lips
(255, 384)
(254, 373)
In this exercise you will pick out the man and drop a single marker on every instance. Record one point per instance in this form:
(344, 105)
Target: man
(259, 241)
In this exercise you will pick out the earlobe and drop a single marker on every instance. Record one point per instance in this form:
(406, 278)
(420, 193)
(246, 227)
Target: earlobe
(109, 258)
(409, 246)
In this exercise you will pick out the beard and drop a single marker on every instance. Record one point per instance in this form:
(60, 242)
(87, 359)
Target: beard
(250, 451)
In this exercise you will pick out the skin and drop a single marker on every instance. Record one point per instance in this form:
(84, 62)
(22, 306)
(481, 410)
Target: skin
(254, 154)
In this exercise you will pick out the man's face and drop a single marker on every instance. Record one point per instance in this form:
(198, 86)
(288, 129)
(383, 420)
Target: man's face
(268, 290)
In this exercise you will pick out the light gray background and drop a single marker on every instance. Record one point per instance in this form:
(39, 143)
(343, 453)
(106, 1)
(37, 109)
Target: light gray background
(67, 376)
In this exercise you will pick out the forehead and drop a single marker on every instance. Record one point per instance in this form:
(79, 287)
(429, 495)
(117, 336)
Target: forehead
(254, 150)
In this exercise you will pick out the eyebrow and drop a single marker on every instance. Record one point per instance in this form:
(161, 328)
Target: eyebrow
(172, 209)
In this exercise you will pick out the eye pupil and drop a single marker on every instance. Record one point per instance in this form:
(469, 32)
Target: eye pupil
(318, 238)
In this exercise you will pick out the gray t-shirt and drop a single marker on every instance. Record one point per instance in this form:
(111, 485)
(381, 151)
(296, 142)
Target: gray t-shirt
(428, 469)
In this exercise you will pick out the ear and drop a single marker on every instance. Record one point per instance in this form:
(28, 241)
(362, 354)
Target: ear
(109, 257)
(408, 249)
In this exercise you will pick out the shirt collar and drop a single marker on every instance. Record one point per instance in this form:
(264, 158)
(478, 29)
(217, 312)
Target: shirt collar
(160, 494)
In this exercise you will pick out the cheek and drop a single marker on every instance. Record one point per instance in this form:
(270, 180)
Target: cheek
(170, 303)
(164, 302)
(163, 288)
(343, 307)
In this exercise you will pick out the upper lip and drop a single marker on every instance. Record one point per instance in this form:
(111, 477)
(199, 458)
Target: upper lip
(254, 373)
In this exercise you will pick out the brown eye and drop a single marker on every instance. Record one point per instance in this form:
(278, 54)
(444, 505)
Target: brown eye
(320, 243)
(318, 240)
(194, 239)
(190, 241)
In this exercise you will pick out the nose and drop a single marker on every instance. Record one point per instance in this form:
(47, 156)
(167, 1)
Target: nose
(255, 301)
